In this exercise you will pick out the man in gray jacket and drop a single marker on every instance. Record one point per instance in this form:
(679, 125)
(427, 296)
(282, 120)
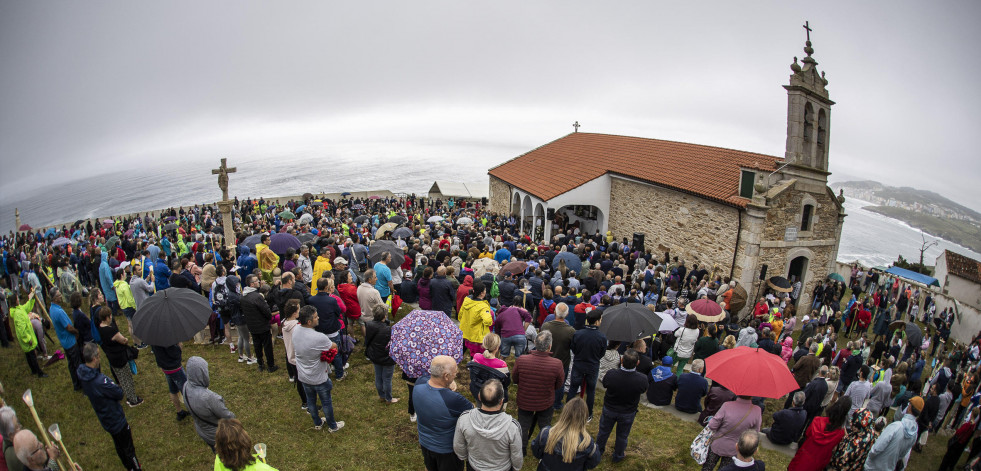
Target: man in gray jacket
(206, 406)
(487, 438)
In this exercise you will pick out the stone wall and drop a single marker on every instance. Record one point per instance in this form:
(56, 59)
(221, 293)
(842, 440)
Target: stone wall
(692, 228)
(787, 209)
(500, 194)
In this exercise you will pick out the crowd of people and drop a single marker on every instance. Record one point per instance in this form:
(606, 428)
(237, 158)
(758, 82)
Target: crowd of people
(536, 304)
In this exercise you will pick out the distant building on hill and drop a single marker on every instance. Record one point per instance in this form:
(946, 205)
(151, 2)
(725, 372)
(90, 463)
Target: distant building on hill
(732, 211)
(960, 277)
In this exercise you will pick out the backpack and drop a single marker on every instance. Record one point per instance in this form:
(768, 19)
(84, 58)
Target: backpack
(220, 299)
(494, 290)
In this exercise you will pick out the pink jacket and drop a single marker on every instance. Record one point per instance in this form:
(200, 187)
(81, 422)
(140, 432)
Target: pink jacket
(788, 349)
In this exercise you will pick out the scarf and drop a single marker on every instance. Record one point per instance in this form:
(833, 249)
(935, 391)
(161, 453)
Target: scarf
(851, 451)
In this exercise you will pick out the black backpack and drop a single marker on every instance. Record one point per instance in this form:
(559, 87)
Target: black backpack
(220, 299)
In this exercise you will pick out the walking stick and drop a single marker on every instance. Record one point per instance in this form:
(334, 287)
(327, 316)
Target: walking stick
(55, 432)
(29, 400)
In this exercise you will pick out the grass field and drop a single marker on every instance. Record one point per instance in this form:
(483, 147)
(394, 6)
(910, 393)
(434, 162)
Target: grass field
(376, 435)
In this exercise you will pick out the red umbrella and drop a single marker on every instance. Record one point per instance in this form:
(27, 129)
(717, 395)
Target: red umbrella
(24, 227)
(706, 310)
(748, 371)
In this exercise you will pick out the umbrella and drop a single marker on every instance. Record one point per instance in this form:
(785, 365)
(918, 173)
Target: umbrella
(836, 277)
(738, 300)
(358, 207)
(780, 284)
(301, 207)
(464, 221)
(398, 219)
(170, 316)
(60, 242)
(307, 218)
(50, 232)
(628, 322)
(381, 246)
(421, 336)
(571, 261)
(706, 310)
(80, 222)
(914, 335)
(433, 219)
(516, 267)
(387, 227)
(307, 196)
(287, 214)
(24, 227)
(485, 265)
(251, 240)
(306, 237)
(402, 233)
(282, 241)
(374, 197)
(112, 242)
(108, 222)
(170, 226)
(750, 371)
(668, 324)
(362, 218)
(170, 218)
(346, 193)
(129, 233)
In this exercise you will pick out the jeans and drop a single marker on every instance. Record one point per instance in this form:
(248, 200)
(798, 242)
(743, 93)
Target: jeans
(590, 376)
(383, 381)
(123, 440)
(560, 392)
(519, 342)
(244, 346)
(528, 419)
(623, 422)
(323, 391)
(338, 362)
(74, 357)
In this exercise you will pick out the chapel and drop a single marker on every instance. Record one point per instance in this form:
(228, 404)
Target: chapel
(742, 214)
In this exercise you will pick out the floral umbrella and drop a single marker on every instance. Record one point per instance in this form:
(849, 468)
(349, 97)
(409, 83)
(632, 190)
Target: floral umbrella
(421, 336)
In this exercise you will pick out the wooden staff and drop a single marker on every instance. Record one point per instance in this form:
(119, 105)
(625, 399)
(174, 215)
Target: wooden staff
(29, 400)
(55, 432)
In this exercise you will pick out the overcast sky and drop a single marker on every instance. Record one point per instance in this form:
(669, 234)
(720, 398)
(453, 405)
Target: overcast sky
(92, 87)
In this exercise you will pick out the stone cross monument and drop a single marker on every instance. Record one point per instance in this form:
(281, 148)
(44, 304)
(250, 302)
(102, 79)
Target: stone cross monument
(17, 218)
(225, 205)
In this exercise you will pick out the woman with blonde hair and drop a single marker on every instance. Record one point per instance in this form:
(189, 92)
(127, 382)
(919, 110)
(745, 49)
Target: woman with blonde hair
(729, 342)
(233, 447)
(567, 446)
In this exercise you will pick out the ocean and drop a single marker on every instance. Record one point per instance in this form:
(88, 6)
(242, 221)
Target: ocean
(867, 237)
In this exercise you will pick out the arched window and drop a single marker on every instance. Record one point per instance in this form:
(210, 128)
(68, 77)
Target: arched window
(822, 139)
(806, 217)
(808, 124)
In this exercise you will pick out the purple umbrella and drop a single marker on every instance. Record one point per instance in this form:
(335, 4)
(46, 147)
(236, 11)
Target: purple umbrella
(421, 336)
(170, 218)
(280, 242)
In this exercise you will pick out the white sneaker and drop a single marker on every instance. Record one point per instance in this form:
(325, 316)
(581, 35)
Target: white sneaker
(241, 359)
(252, 361)
(233, 348)
(412, 418)
(346, 366)
(340, 425)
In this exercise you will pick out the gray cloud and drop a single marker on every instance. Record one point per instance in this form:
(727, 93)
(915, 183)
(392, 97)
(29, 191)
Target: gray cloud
(96, 86)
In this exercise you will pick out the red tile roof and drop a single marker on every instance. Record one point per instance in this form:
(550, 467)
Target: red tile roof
(572, 160)
(964, 267)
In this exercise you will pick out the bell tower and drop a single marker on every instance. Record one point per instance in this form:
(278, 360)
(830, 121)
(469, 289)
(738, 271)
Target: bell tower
(808, 118)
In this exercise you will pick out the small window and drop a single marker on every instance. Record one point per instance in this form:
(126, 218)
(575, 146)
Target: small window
(746, 183)
(805, 219)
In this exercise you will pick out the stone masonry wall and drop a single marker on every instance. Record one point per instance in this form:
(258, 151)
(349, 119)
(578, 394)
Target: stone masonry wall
(692, 228)
(499, 195)
(787, 209)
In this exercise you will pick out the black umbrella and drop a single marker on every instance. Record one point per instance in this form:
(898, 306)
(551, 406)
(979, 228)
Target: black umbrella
(361, 219)
(379, 247)
(628, 322)
(306, 237)
(779, 283)
(914, 336)
(170, 227)
(171, 316)
(402, 233)
(398, 219)
(251, 240)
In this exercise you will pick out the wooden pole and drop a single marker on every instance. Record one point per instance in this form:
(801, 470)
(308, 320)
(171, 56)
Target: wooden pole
(29, 400)
(57, 436)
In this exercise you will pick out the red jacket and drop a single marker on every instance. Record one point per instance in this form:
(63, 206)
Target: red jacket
(864, 319)
(818, 446)
(463, 291)
(538, 376)
(349, 294)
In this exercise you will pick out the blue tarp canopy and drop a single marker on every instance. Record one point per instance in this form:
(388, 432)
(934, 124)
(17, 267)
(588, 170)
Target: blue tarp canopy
(913, 276)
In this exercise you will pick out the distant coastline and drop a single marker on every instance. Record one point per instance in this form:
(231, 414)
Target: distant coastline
(952, 230)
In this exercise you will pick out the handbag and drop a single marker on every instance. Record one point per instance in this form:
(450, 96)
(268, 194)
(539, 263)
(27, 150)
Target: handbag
(700, 445)
(132, 353)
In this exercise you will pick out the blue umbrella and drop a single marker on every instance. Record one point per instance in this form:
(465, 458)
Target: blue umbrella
(50, 232)
(571, 261)
(301, 207)
(346, 194)
(280, 242)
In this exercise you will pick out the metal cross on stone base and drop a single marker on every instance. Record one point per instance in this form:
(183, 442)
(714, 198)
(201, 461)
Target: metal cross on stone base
(225, 206)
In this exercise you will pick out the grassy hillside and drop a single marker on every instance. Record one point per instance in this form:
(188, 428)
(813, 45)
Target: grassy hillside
(961, 232)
